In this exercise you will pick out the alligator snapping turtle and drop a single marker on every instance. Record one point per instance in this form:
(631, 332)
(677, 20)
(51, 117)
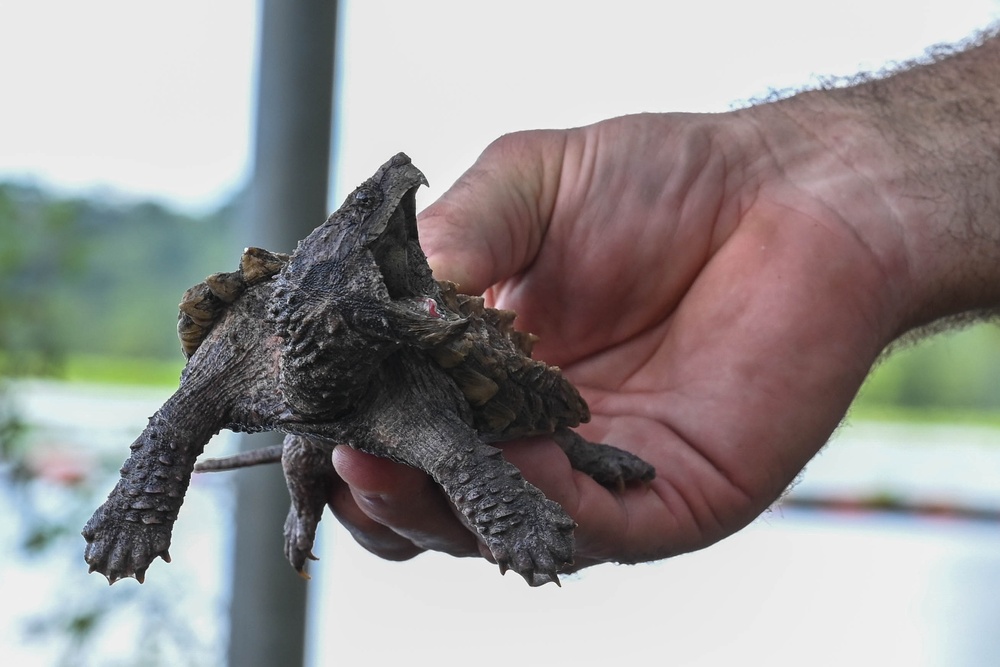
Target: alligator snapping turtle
(351, 340)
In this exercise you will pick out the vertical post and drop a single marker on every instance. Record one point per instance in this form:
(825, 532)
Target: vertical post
(288, 197)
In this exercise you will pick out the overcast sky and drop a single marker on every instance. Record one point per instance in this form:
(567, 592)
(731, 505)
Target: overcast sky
(155, 99)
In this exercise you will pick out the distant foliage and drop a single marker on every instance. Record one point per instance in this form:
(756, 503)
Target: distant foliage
(956, 371)
(90, 276)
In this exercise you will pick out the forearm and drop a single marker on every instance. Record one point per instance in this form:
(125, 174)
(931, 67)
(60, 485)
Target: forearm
(926, 144)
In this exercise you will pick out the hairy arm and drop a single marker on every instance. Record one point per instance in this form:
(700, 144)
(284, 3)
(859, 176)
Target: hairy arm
(927, 140)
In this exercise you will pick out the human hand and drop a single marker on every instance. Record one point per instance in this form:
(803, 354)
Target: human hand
(718, 288)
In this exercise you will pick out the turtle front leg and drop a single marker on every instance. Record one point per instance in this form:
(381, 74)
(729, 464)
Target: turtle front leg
(133, 526)
(420, 417)
(524, 530)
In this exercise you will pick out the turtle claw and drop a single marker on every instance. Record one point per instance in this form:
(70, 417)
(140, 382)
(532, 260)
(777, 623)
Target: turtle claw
(542, 578)
(536, 549)
(119, 550)
(300, 535)
(536, 573)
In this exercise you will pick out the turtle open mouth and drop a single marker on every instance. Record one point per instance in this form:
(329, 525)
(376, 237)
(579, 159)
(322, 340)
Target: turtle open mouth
(394, 244)
(396, 251)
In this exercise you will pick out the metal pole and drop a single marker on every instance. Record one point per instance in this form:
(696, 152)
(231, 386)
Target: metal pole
(288, 198)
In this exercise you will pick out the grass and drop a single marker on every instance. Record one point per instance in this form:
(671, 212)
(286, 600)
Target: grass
(949, 378)
(863, 410)
(122, 371)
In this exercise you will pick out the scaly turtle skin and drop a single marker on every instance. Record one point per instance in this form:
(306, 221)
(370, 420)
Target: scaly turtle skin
(350, 340)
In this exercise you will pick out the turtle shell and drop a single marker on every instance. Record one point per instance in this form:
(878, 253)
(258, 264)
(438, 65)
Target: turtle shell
(202, 305)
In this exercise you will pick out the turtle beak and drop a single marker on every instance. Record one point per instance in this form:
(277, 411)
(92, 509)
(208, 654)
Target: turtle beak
(396, 215)
(376, 220)
(392, 230)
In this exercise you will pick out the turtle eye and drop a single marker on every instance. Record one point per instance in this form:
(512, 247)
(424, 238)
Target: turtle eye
(365, 197)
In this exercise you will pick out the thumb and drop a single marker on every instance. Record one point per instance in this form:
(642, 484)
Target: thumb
(490, 224)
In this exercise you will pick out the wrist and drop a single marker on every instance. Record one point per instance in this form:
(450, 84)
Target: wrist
(911, 164)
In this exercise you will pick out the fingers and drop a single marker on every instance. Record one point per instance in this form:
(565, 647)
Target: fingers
(395, 511)
(490, 223)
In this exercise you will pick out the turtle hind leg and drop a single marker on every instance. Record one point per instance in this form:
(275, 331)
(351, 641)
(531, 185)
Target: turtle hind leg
(308, 472)
(609, 466)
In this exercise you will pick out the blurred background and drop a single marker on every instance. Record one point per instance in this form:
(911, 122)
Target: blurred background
(131, 153)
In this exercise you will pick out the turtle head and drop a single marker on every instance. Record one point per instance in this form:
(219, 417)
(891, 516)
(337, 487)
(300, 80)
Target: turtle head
(357, 289)
(371, 237)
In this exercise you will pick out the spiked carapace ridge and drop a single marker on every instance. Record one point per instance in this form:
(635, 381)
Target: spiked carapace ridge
(350, 340)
